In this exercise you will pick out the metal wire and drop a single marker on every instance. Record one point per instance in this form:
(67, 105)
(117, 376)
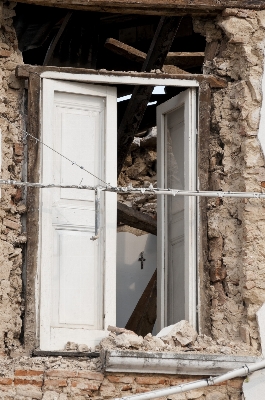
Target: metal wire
(138, 190)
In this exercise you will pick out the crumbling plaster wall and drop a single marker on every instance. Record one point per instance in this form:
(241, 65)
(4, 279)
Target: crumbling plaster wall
(236, 227)
(11, 205)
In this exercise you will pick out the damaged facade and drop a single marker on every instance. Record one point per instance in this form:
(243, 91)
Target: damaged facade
(230, 271)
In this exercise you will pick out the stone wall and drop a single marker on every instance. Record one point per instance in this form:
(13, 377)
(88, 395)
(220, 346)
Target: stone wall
(11, 205)
(236, 227)
(62, 379)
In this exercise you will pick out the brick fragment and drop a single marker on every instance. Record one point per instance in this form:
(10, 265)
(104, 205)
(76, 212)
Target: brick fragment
(5, 53)
(151, 380)
(55, 382)
(18, 381)
(120, 379)
(6, 381)
(97, 376)
(28, 372)
(18, 149)
(11, 224)
(85, 384)
(142, 389)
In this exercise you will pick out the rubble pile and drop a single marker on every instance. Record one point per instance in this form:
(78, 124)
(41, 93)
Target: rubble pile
(139, 170)
(178, 338)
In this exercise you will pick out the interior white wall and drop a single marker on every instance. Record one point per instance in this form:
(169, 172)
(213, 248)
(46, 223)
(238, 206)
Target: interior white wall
(131, 279)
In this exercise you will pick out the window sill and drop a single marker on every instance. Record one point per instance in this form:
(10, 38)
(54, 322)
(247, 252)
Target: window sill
(171, 363)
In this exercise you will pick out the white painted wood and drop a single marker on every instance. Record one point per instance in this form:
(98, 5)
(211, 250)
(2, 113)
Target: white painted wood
(172, 363)
(77, 276)
(118, 80)
(131, 279)
(176, 124)
(254, 386)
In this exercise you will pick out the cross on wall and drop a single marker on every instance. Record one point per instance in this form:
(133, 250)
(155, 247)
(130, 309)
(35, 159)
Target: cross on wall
(142, 259)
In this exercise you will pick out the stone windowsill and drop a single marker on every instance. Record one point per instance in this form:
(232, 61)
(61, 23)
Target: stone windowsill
(172, 363)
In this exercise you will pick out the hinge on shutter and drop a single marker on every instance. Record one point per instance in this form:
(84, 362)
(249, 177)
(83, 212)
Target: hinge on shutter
(97, 213)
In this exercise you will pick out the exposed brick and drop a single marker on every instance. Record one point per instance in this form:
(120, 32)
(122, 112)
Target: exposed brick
(11, 224)
(96, 376)
(120, 379)
(55, 382)
(18, 149)
(6, 381)
(5, 53)
(61, 373)
(28, 372)
(18, 381)
(141, 389)
(151, 380)
(85, 384)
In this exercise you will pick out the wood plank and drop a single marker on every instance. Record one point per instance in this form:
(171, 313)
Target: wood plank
(23, 71)
(143, 317)
(185, 59)
(157, 53)
(71, 354)
(122, 49)
(33, 175)
(136, 219)
(179, 59)
(152, 7)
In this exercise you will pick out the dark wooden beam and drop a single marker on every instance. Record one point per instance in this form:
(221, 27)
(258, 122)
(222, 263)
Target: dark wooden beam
(23, 71)
(136, 219)
(152, 7)
(33, 175)
(157, 53)
(143, 318)
(57, 38)
(179, 59)
(71, 354)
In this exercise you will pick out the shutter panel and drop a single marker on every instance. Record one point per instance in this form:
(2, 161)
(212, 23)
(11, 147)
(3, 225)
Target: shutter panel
(77, 277)
(176, 123)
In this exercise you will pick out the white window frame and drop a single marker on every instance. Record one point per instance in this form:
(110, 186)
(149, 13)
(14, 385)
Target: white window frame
(188, 100)
(128, 80)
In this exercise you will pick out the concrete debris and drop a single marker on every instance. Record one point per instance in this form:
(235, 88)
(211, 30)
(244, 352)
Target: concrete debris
(181, 333)
(139, 169)
(178, 338)
(128, 340)
(118, 331)
(71, 346)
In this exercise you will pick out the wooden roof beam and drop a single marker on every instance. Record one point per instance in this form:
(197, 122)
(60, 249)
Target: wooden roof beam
(179, 59)
(136, 219)
(157, 53)
(152, 7)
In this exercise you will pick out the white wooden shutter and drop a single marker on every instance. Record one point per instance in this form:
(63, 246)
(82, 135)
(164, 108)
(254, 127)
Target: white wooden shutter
(77, 275)
(176, 124)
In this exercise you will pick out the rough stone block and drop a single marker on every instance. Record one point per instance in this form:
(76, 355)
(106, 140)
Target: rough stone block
(97, 376)
(261, 324)
(120, 379)
(60, 373)
(151, 380)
